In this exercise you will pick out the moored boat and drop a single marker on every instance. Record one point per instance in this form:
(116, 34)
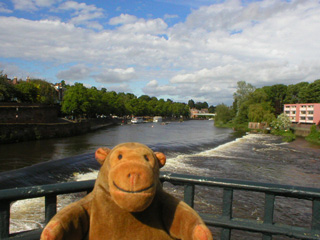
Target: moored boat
(137, 120)
(157, 119)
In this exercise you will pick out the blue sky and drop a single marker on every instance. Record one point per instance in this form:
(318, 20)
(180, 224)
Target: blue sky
(169, 49)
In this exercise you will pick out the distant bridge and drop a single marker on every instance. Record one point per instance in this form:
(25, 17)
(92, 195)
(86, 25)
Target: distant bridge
(204, 114)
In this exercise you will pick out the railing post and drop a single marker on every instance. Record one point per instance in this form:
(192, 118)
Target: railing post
(50, 207)
(189, 194)
(268, 213)
(227, 211)
(315, 214)
(4, 219)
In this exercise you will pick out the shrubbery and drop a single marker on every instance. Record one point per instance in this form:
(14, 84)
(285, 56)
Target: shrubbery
(314, 135)
(287, 135)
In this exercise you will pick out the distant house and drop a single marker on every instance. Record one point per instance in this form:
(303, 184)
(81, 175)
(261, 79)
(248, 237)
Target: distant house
(303, 112)
(60, 89)
(195, 112)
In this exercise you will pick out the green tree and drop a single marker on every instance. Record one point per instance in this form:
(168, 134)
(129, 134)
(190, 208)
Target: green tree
(212, 109)
(27, 92)
(276, 94)
(240, 97)
(191, 104)
(310, 93)
(292, 95)
(201, 105)
(75, 101)
(260, 112)
(7, 91)
(224, 114)
(46, 93)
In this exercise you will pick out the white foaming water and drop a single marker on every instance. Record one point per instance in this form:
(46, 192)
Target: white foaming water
(224, 149)
(85, 176)
(30, 213)
(27, 214)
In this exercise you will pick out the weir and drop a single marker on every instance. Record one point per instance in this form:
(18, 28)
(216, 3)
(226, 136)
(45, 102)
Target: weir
(267, 227)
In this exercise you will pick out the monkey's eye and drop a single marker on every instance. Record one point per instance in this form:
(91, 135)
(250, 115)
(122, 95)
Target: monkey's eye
(120, 156)
(146, 158)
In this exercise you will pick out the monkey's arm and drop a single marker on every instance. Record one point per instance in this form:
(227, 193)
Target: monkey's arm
(182, 221)
(72, 222)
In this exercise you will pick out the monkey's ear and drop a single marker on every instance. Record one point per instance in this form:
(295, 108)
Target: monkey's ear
(101, 154)
(161, 158)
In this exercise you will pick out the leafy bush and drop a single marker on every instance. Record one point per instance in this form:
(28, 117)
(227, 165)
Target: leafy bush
(287, 135)
(314, 135)
(282, 122)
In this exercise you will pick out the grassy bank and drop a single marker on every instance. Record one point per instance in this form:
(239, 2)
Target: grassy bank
(287, 135)
(314, 136)
(237, 127)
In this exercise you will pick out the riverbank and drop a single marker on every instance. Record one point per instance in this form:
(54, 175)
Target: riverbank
(307, 133)
(20, 132)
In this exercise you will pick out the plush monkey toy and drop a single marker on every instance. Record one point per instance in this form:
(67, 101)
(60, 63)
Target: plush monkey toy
(127, 202)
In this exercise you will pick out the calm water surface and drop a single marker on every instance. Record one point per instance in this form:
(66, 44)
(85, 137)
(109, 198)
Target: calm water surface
(192, 147)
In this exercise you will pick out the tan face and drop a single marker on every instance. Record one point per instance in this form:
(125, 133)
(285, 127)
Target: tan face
(133, 175)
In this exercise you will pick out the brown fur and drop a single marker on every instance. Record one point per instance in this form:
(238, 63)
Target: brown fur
(127, 202)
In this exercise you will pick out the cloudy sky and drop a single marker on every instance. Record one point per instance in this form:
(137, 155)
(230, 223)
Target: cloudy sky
(177, 49)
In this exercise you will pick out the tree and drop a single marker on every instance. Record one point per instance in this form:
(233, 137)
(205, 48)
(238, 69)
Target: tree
(191, 104)
(310, 93)
(201, 105)
(46, 93)
(292, 95)
(212, 109)
(7, 91)
(260, 112)
(223, 114)
(75, 101)
(27, 92)
(276, 94)
(240, 96)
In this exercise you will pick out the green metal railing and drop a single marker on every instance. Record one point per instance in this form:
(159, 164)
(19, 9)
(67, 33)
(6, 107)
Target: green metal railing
(226, 221)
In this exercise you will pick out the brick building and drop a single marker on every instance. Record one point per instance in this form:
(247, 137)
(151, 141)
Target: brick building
(195, 112)
(303, 112)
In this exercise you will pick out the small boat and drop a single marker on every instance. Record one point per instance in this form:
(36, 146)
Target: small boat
(157, 119)
(137, 120)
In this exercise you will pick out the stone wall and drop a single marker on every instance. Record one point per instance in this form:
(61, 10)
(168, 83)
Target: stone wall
(301, 129)
(11, 133)
(27, 113)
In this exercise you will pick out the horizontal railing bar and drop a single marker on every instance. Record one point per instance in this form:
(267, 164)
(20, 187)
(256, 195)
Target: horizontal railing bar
(42, 190)
(277, 189)
(259, 226)
(30, 235)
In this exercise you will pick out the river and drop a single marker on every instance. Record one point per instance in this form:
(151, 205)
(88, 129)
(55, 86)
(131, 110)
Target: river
(192, 147)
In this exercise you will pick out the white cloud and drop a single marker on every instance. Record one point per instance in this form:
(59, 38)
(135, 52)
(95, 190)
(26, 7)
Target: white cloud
(116, 75)
(75, 73)
(33, 5)
(154, 89)
(83, 14)
(120, 88)
(170, 16)
(4, 9)
(28, 5)
(123, 19)
(130, 24)
(263, 42)
(46, 3)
